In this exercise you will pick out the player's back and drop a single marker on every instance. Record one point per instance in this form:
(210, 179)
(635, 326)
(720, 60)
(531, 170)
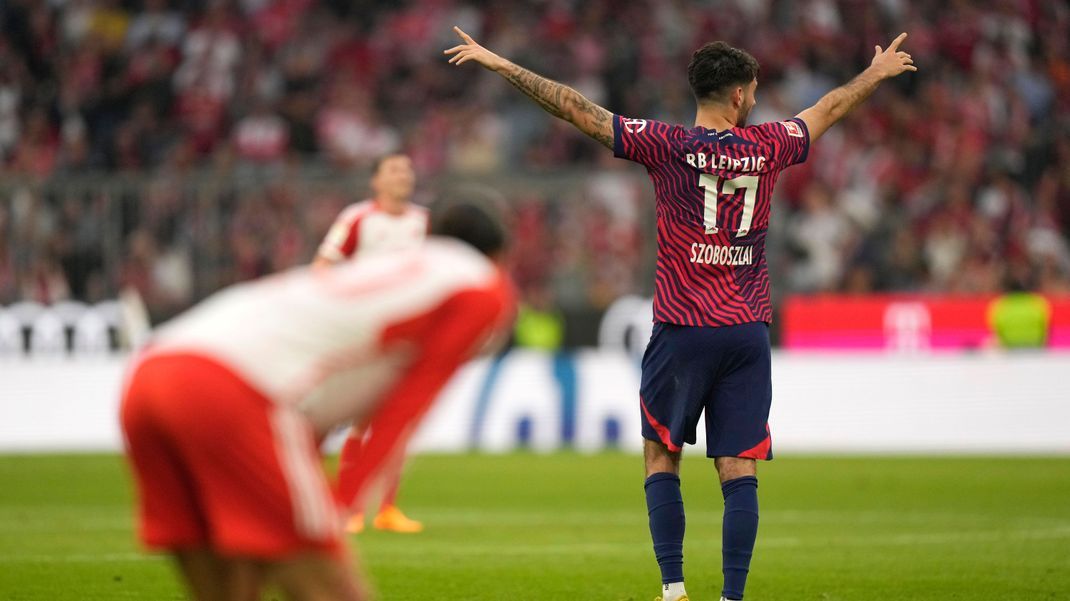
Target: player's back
(332, 339)
(713, 192)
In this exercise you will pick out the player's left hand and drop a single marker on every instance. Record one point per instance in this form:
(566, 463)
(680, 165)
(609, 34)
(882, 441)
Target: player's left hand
(892, 61)
(472, 51)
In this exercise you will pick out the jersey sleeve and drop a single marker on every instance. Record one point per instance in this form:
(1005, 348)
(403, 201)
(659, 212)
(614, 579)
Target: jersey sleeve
(789, 139)
(644, 141)
(341, 240)
(458, 329)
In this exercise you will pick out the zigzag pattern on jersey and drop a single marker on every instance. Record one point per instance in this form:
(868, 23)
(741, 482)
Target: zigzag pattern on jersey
(698, 293)
(702, 295)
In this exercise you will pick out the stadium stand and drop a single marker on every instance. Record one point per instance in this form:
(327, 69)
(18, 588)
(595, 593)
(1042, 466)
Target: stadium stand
(177, 146)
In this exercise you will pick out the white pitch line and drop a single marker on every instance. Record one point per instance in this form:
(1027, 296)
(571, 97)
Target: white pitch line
(448, 517)
(609, 548)
(624, 518)
(625, 548)
(938, 538)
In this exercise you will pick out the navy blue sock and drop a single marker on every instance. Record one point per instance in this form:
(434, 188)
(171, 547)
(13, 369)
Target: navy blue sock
(665, 506)
(738, 532)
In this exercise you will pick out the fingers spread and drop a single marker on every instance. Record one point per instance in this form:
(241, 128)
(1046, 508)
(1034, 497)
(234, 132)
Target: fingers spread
(454, 49)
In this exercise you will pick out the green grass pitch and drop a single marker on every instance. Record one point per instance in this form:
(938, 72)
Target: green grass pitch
(569, 526)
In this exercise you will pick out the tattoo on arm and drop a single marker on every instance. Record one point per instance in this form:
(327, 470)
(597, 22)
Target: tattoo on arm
(599, 121)
(563, 102)
(545, 92)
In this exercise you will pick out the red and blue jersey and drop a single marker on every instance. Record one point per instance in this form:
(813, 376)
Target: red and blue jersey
(713, 193)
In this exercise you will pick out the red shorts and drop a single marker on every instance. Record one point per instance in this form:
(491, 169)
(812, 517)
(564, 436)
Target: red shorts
(218, 465)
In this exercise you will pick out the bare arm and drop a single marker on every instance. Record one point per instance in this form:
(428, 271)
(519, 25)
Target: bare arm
(555, 98)
(839, 102)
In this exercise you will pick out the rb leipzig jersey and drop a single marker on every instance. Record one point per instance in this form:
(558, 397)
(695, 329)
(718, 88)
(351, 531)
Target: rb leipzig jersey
(713, 193)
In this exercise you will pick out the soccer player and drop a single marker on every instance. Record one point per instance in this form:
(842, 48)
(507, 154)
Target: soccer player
(387, 222)
(223, 410)
(709, 351)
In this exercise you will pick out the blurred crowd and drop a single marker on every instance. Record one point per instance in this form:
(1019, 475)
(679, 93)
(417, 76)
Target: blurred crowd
(955, 179)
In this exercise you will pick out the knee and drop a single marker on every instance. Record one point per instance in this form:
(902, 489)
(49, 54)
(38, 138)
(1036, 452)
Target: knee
(659, 458)
(661, 466)
(730, 468)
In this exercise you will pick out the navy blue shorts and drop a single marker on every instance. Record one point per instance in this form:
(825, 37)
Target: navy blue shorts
(723, 371)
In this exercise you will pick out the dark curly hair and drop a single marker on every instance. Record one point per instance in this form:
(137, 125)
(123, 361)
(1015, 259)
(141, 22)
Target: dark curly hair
(716, 68)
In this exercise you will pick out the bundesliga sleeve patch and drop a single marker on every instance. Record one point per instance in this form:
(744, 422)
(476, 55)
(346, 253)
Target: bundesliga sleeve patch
(793, 129)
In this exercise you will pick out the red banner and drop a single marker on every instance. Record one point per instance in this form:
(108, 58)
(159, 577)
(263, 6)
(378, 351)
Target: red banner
(894, 322)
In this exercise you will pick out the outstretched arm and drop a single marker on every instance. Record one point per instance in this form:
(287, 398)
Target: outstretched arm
(836, 104)
(555, 98)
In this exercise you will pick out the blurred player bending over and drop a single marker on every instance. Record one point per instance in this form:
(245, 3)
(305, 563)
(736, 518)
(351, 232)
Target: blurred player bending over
(223, 411)
(709, 350)
(384, 223)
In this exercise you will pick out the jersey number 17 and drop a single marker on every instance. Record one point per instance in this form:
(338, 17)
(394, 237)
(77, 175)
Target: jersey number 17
(715, 187)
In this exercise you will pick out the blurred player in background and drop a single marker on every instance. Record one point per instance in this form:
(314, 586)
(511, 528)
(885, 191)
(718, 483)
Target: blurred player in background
(709, 351)
(388, 221)
(223, 411)
(385, 223)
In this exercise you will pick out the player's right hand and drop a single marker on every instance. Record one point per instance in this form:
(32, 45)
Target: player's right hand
(472, 51)
(892, 62)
